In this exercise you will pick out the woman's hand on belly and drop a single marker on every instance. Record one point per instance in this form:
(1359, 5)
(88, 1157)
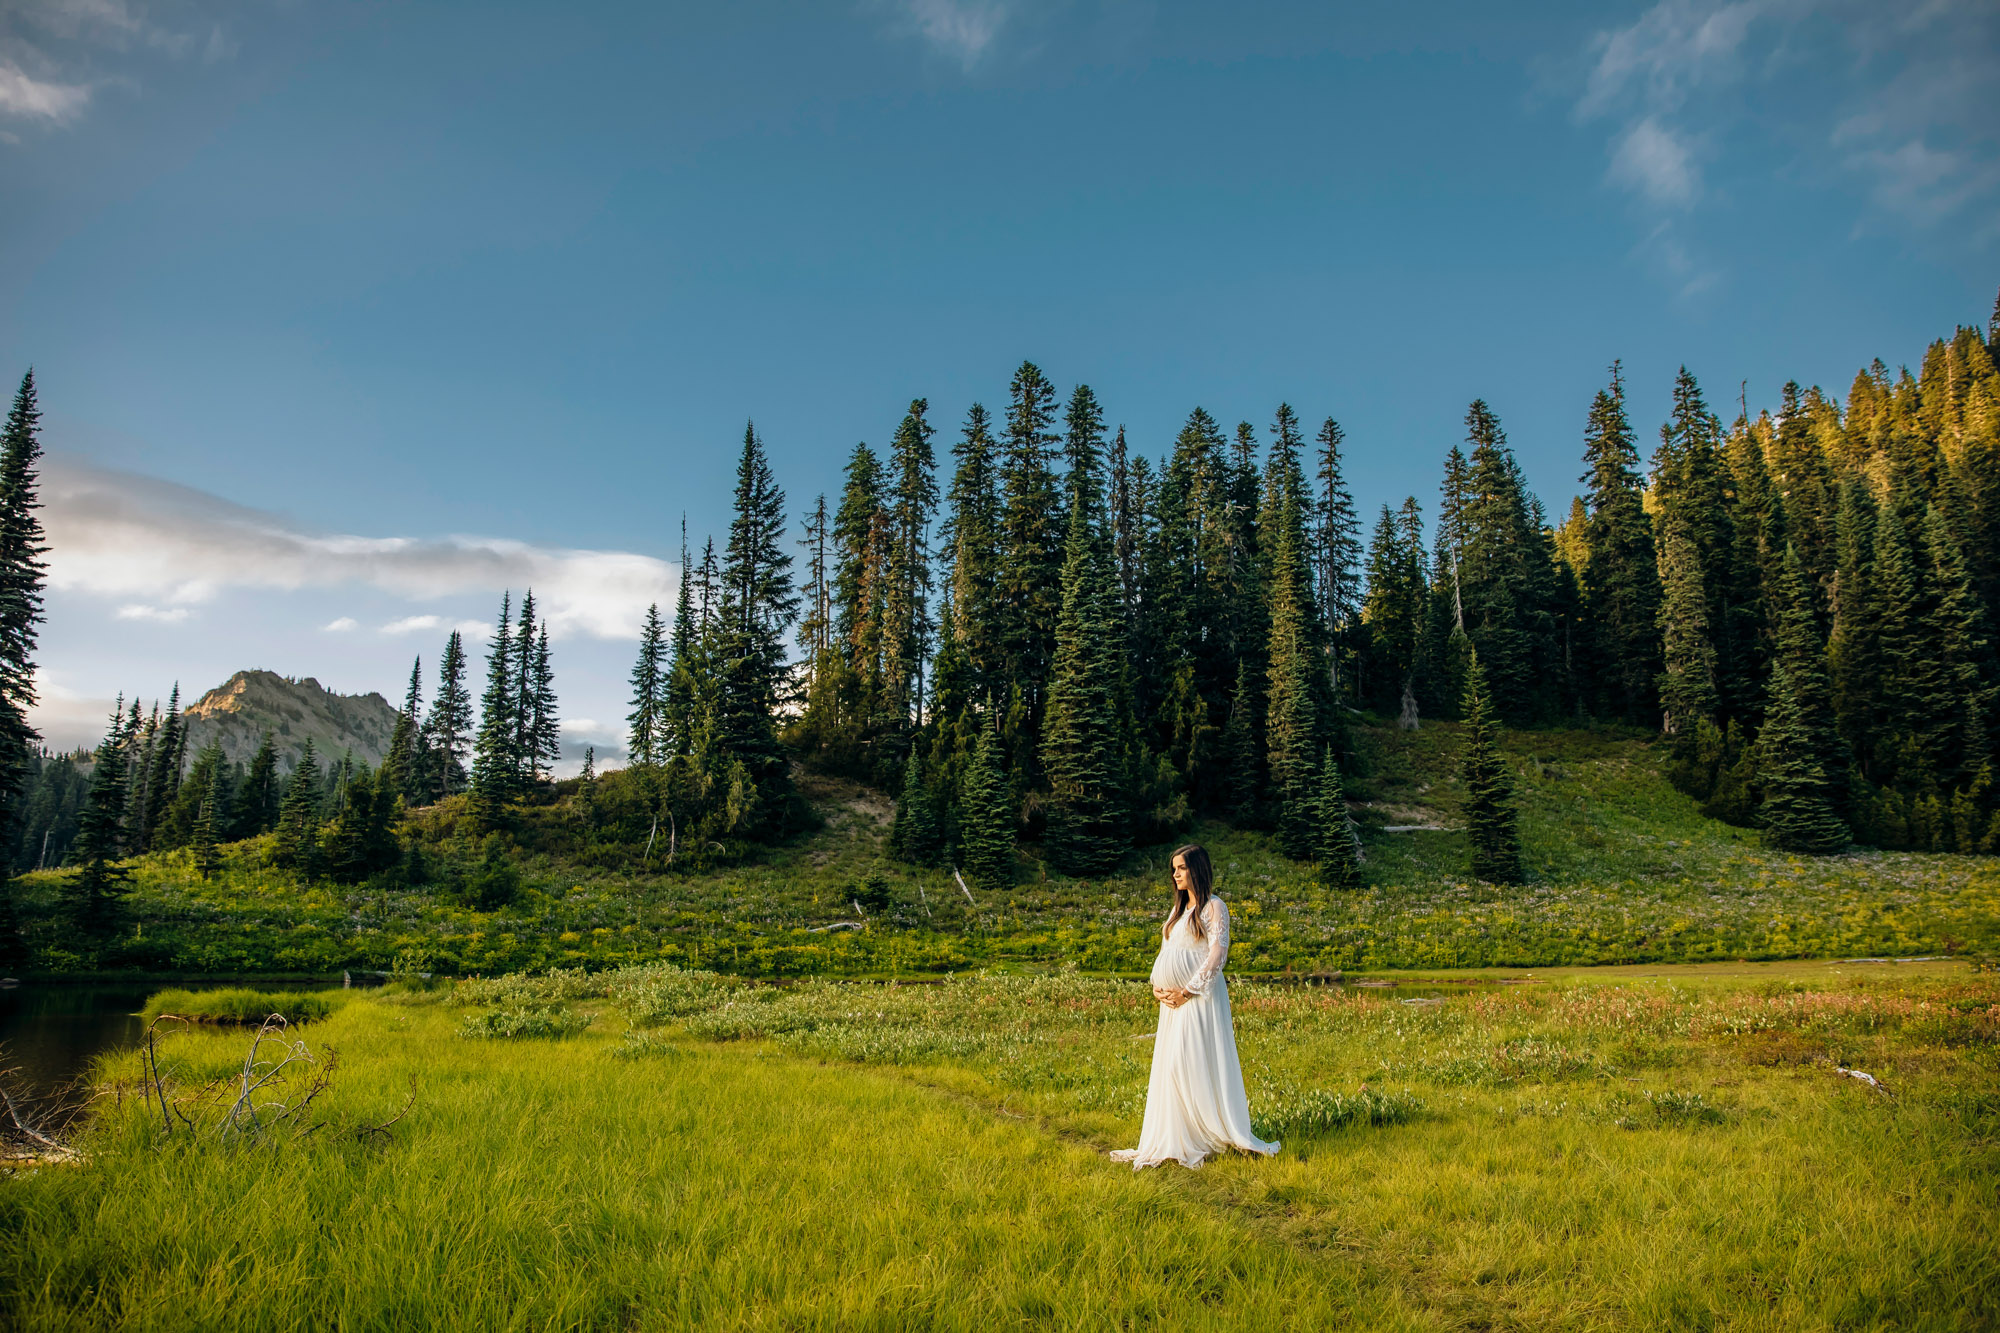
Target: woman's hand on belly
(1171, 996)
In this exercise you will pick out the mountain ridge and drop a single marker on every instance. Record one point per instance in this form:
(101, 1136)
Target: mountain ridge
(238, 712)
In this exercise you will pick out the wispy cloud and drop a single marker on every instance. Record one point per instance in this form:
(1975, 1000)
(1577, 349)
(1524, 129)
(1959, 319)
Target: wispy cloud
(1905, 93)
(51, 52)
(165, 615)
(960, 29)
(471, 629)
(38, 99)
(342, 624)
(1657, 163)
(172, 548)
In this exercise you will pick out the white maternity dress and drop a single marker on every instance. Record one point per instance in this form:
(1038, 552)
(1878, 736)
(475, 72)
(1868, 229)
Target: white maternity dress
(1195, 1104)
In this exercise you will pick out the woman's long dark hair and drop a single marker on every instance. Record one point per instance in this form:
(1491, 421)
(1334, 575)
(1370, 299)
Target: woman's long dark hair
(1203, 875)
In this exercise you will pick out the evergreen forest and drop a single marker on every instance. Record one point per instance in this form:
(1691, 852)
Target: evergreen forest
(1047, 647)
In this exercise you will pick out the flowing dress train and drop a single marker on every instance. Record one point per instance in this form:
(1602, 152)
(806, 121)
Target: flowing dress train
(1195, 1104)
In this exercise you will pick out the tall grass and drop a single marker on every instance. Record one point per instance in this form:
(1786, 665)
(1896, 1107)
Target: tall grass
(1641, 1153)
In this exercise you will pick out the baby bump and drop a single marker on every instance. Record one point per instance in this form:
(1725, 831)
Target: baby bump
(1176, 966)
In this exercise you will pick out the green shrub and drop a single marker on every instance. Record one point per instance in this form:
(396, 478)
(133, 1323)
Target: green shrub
(525, 1023)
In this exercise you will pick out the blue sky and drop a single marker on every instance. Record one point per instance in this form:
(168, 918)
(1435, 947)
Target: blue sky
(409, 303)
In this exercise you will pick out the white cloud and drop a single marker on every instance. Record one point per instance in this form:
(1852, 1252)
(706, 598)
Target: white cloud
(117, 534)
(1898, 97)
(471, 629)
(342, 625)
(1654, 161)
(42, 77)
(32, 98)
(962, 29)
(162, 614)
(1674, 46)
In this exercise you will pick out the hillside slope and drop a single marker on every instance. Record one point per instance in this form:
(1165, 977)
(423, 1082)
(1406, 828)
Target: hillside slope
(239, 711)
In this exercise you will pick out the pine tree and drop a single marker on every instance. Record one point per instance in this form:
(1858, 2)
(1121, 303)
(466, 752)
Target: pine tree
(297, 845)
(1337, 555)
(1687, 677)
(545, 717)
(207, 859)
(449, 725)
(526, 749)
(986, 818)
(1337, 843)
(495, 751)
(972, 546)
(1490, 821)
(1797, 645)
(402, 766)
(1962, 642)
(93, 896)
(1294, 725)
(1081, 740)
(647, 732)
(1798, 809)
(1394, 611)
(257, 803)
(1621, 582)
(1505, 577)
(907, 628)
(22, 570)
(163, 782)
(915, 836)
(756, 610)
(1029, 577)
(1236, 759)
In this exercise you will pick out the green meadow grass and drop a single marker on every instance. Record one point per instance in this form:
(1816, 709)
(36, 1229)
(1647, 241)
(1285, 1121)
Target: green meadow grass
(1622, 869)
(1615, 1152)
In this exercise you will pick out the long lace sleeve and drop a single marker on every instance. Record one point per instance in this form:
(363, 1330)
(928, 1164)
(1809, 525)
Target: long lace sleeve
(1215, 925)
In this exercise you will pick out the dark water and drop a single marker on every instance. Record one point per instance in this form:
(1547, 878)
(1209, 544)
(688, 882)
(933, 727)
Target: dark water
(51, 1031)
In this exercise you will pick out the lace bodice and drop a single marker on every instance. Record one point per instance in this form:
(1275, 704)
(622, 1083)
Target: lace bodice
(1214, 937)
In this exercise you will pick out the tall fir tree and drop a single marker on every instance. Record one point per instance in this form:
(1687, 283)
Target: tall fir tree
(297, 844)
(1336, 534)
(986, 818)
(496, 747)
(1081, 741)
(755, 611)
(645, 729)
(1337, 843)
(1295, 727)
(1687, 675)
(911, 503)
(1491, 825)
(448, 729)
(257, 801)
(1029, 577)
(1621, 581)
(544, 713)
(93, 898)
(402, 765)
(22, 574)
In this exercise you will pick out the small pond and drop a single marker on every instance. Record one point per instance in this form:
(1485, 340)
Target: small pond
(50, 1031)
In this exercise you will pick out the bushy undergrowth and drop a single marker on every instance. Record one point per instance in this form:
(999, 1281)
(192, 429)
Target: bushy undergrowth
(537, 1022)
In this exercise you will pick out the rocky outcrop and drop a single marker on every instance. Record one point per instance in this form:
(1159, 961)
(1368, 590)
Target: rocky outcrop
(238, 712)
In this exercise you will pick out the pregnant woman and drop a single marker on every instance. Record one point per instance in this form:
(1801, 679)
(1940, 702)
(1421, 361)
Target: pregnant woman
(1195, 1103)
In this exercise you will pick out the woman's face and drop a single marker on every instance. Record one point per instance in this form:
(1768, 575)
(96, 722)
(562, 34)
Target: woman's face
(1183, 878)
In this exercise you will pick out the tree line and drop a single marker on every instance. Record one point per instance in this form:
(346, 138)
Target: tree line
(1070, 643)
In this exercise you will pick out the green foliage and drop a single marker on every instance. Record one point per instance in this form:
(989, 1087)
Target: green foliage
(986, 819)
(1337, 844)
(1490, 824)
(517, 1023)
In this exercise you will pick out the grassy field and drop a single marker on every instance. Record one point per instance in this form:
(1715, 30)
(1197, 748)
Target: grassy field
(1608, 1151)
(1624, 869)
